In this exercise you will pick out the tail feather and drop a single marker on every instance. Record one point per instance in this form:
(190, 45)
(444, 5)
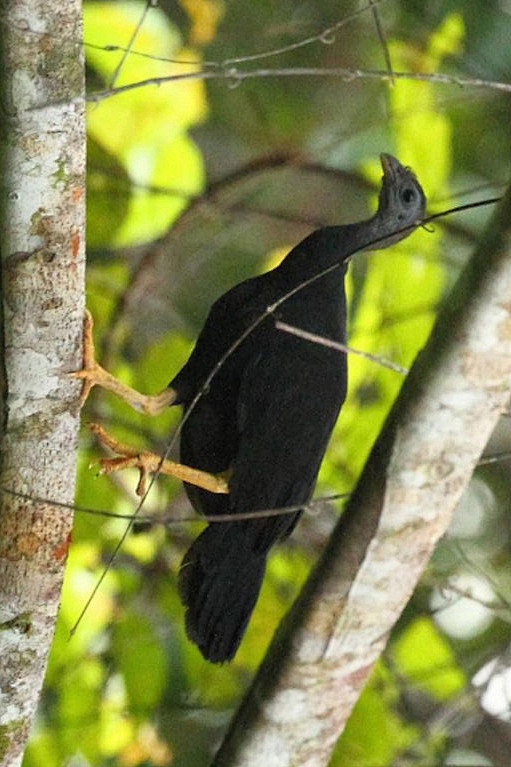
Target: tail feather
(219, 582)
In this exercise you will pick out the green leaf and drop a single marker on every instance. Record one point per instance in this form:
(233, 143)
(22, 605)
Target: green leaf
(424, 656)
(139, 655)
(143, 128)
(108, 192)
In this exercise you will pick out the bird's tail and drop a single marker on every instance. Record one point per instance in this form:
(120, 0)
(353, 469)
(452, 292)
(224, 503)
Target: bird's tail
(219, 582)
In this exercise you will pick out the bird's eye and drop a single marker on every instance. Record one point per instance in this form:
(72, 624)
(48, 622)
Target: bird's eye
(408, 194)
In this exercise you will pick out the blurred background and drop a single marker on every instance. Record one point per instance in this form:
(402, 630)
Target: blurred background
(196, 184)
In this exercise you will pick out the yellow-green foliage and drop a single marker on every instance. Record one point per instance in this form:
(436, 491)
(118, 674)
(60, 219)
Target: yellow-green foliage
(396, 307)
(427, 660)
(144, 129)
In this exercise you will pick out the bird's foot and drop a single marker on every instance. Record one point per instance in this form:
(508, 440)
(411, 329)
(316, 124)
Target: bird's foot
(92, 374)
(146, 463)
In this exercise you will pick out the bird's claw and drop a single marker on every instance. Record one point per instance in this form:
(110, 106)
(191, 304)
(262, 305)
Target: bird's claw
(109, 465)
(91, 373)
(147, 463)
(129, 458)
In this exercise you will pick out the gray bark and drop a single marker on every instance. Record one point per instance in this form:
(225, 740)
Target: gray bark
(327, 646)
(42, 200)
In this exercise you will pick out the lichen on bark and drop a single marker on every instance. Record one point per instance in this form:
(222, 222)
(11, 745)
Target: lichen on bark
(42, 152)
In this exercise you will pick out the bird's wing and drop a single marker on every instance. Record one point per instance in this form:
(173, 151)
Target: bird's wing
(209, 436)
(288, 402)
(228, 318)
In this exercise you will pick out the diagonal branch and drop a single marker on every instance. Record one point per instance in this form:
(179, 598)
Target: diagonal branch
(326, 647)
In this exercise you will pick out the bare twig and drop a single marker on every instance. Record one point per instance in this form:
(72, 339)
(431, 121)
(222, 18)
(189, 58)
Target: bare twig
(314, 338)
(383, 39)
(146, 263)
(117, 71)
(486, 460)
(326, 36)
(235, 76)
(170, 520)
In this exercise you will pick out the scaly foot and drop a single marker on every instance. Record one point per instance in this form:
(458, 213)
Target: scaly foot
(131, 458)
(92, 374)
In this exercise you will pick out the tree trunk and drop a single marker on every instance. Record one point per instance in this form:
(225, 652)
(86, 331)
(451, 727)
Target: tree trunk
(42, 200)
(327, 646)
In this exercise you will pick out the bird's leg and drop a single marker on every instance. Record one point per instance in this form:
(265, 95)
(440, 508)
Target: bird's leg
(132, 458)
(92, 374)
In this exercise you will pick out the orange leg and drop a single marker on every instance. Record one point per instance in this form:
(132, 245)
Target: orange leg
(93, 374)
(131, 458)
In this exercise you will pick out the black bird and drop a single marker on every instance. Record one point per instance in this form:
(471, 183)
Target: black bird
(267, 414)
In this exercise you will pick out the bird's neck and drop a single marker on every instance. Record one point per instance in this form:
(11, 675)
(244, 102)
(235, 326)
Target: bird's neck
(371, 234)
(332, 245)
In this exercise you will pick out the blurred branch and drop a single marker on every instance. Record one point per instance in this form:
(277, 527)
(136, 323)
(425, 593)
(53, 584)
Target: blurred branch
(127, 50)
(326, 647)
(497, 458)
(326, 36)
(141, 274)
(234, 76)
(382, 38)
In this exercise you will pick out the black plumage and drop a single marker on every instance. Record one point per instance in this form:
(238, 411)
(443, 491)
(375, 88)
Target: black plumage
(268, 412)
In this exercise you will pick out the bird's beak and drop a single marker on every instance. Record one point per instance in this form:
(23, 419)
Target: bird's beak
(390, 166)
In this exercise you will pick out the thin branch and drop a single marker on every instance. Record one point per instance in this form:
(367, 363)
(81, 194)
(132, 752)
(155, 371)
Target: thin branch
(313, 337)
(235, 76)
(247, 170)
(486, 460)
(170, 520)
(326, 36)
(151, 56)
(149, 4)
(453, 593)
(275, 161)
(383, 40)
(479, 571)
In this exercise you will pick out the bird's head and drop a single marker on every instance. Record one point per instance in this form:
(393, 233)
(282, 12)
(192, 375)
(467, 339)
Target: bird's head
(402, 202)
